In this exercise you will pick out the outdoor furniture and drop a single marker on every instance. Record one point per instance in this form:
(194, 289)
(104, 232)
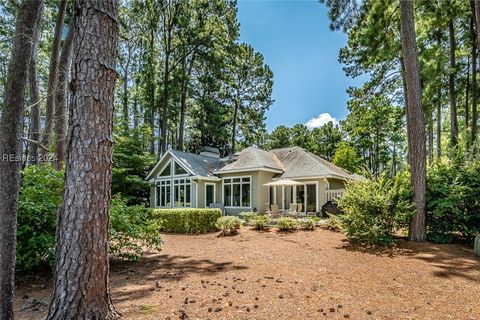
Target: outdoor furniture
(274, 211)
(292, 211)
(267, 207)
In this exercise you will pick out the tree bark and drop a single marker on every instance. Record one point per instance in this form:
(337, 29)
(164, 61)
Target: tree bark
(415, 119)
(474, 82)
(451, 86)
(26, 31)
(439, 123)
(34, 110)
(234, 125)
(80, 289)
(430, 136)
(61, 94)
(183, 103)
(53, 80)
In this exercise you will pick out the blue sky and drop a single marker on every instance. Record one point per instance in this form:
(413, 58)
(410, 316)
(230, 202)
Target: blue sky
(302, 52)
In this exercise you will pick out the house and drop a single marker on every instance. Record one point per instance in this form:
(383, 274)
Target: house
(239, 182)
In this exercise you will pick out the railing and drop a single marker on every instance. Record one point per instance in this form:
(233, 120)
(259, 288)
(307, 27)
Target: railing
(334, 194)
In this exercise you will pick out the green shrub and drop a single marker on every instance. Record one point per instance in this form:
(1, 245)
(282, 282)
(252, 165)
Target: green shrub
(453, 201)
(260, 222)
(248, 215)
(132, 229)
(40, 197)
(307, 224)
(188, 220)
(286, 224)
(375, 209)
(333, 223)
(228, 225)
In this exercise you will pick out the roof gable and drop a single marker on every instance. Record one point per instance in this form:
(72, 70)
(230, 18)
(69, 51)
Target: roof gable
(252, 158)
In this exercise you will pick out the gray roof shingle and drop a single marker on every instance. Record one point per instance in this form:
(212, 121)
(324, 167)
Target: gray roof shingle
(198, 164)
(251, 158)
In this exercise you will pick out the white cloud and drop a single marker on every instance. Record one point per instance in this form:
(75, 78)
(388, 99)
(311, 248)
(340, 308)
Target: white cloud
(319, 121)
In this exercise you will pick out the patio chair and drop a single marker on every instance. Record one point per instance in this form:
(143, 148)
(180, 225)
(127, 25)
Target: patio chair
(299, 210)
(267, 207)
(292, 211)
(274, 211)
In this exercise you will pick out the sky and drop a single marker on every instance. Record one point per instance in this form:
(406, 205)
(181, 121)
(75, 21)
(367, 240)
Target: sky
(296, 42)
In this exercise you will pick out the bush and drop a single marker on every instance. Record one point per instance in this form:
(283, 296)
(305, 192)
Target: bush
(453, 201)
(132, 228)
(375, 209)
(228, 225)
(286, 224)
(40, 197)
(307, 224)
(188, 220)
(247, 216)
(260, 222)
(333, 223)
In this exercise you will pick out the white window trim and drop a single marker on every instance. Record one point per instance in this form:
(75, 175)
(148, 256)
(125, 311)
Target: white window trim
(223, 192)
(214, 193)
(157, 184)
(175, 162)
(159, 177)
(184, 184)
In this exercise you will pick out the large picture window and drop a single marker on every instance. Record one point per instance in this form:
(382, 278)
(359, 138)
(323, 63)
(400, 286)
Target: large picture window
(163, 193)
(181, 193)
(236, 192)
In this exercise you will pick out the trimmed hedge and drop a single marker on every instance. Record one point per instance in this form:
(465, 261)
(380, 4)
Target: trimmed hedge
(188, 220)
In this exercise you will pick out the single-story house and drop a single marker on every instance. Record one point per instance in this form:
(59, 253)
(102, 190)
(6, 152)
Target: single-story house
(246, 181)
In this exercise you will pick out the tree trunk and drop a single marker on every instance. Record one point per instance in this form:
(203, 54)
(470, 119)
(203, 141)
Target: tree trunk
(234, 125)
(474, 82)
(61, 94)
(26, 31)
(80, 288)
(415, 119)
(439, 123)
(467, 106)
(166, 80)
(430, 137)
(451, 86)
(34, 110)
(52, 80)
(125, 91)
(183, 103)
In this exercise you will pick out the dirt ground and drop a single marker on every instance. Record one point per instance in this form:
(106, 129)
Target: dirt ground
(300, 275)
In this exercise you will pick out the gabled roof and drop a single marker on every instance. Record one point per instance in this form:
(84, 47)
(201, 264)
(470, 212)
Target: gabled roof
(199, 165)
(194, 164)
(298, 162)
(252, 158)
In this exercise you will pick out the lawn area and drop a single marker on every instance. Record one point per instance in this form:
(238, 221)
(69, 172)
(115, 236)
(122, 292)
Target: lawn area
(300, 275)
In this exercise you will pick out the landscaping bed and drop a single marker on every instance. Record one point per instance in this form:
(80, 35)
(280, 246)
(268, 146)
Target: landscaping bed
(294, 275)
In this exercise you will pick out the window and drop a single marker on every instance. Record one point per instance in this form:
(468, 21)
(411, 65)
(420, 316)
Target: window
(166, 171)
(209, 194)
(181, 193)
(163, 193)
(179, 169)
(236, 192)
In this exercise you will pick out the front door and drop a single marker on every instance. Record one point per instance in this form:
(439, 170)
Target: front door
(209, 194)
(311, 201)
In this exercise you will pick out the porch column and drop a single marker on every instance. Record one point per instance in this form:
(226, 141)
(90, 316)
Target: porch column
(294, 200)
(283, 197)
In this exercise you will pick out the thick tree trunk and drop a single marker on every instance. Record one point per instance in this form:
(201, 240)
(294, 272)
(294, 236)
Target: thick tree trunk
(34, 111)
(415, 119)
(80, 289)
(26, 31)
(61, 95)
(52, 80)
(451, 86)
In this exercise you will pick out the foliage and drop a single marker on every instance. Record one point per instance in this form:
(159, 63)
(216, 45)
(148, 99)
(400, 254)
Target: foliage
(130, 167)
(260, 222)
(333, 223)
(228, 225)
(347, 158)
(248, 215)
(286, 224)
(132, 229)
(188, 220)
(453, 201)
(307, 224)
(40, 197)
(375, 209)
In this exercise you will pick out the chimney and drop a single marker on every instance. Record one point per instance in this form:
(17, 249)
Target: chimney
(210, 152)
